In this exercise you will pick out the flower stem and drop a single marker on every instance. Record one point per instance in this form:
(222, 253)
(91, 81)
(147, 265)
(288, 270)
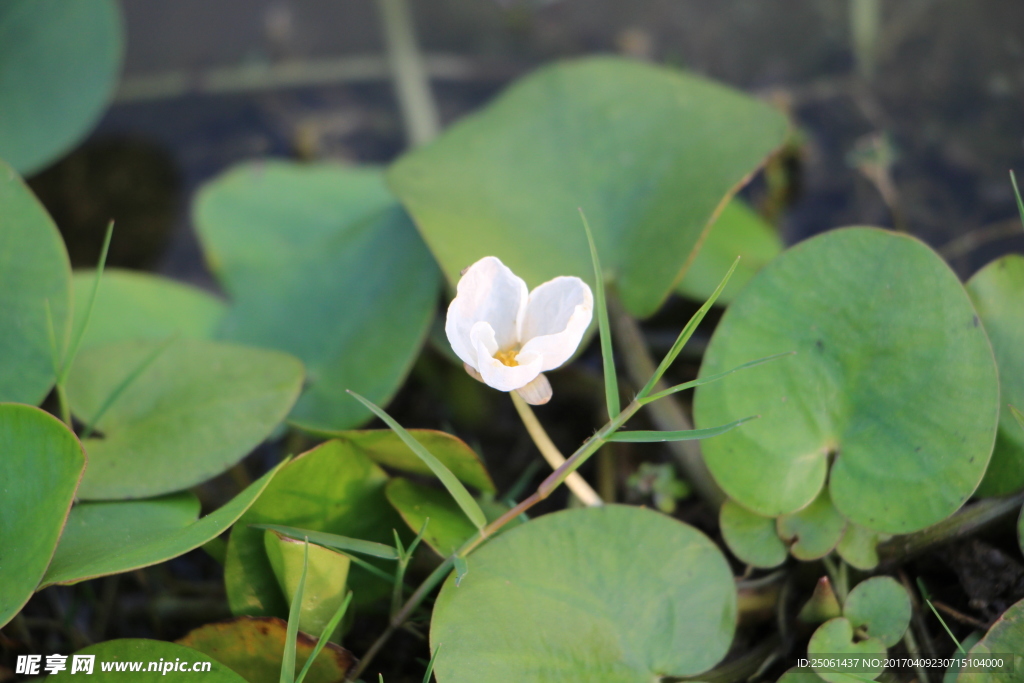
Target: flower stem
(580, 488)
(552, 482)
(665, 413)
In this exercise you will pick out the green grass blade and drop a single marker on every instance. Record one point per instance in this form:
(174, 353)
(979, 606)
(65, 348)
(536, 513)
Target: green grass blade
(376, 571)
(80, 333)
(125, 383)
(685, 335)
(430, 664)
(355, 545)
(684, 435)
(611, 381)
(322, 640)
(454, 486)
(711, 378)
(416, 541)
(928, 601)
(292, 632)
(1016, 191)
(1017, 415)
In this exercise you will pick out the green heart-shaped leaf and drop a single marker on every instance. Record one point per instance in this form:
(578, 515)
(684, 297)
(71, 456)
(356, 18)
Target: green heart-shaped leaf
(321, 261)
(59, 64)
(565, 598)
(448, 527)
(196, 409)
(132, 305)
(35, 289)
(997, 291)
(41, 463)
(648, 152)
(813, 531)
(880, 608)
(835, 638)
(739, 231)
(751, 537)
(1006, 640)
(334, 488)
(859, 546)
(325, 584)
(872, 315)
(252, 647)
(381, 446)
(144, 661)
(113, 537)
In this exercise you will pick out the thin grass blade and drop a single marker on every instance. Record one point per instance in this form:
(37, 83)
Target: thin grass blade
(687, 332)
(1017, 415)
(376, 571)
(324, 637)
(80, 333)
(430, 664)
(292, 632)
(928, 601)
(1016, 191)
(419, 537)
(355, 545)
(611, 381)
(125, 383)
(455, 488)
(711, 378)
(683, 435)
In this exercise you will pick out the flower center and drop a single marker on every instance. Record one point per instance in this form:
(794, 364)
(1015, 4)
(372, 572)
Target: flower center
(507, 357)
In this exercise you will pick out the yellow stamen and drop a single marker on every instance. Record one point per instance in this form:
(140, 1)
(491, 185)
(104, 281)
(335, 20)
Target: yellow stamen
(507, 357)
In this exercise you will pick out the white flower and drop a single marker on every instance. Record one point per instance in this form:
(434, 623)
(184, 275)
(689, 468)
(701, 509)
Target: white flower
(507, 335)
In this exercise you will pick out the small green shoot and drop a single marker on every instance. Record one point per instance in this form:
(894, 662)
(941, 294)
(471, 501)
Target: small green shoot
(1016, 192)
(683, 435)
(686, 333)
(430, 664)
(334, 541)
(711, 378)
(125, 383)
(928, 601)
(322, 640)
(455, 488)
(69, 358)
(461, 569)
(404, 557)
(611, 381)
(292, 632)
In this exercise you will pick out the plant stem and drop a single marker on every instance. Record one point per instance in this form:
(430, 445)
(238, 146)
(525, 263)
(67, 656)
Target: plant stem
(411, 85)
(580, 488)
(552, 482)
(966, 522)
(666, 413)
(555, 479)
(418, 596)
(915, 653)
(62, 402)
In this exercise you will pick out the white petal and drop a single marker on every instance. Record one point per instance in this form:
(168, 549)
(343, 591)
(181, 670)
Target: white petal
(489, 292)
(494, 372)
(557, 314)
